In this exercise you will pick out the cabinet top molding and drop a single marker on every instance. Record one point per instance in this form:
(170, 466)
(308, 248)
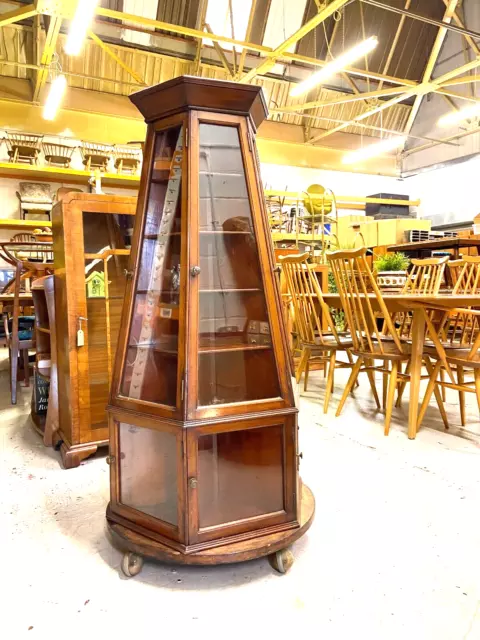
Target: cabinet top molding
(188, 92)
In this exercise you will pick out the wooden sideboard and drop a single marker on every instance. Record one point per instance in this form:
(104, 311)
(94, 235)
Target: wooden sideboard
(90, 238)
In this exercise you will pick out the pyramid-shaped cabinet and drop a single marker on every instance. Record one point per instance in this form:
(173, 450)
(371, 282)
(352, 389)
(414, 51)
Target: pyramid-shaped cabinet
(203, 423)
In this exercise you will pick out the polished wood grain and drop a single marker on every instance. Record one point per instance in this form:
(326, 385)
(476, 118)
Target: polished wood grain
(127, 539)
(444, 244)
(87, 238)
(204, 448)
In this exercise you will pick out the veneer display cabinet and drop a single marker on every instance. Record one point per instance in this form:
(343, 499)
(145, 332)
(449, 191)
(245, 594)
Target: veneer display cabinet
(90, 241)
(203, 423)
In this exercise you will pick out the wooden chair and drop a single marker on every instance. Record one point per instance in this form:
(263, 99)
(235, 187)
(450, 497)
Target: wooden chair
(316, 332)
(461, 356)
(460, 329)
(453, 271)
(354, 279)
(25, 271)
(426, 276)
(17, 347)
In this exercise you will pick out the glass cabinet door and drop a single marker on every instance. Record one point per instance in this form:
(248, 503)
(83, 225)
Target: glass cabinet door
(151, 365)
(244, 477)
(236, 361)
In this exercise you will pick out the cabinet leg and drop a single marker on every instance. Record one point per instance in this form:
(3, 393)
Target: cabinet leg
(73, 456)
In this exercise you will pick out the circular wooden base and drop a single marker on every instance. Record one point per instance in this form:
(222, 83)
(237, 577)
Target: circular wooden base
(129, 541)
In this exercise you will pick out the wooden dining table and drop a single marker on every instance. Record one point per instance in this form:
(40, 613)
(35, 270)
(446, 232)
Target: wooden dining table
(415, 303)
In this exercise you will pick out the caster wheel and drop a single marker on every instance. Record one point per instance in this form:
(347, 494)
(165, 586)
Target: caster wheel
(131, 564)
(282, 560)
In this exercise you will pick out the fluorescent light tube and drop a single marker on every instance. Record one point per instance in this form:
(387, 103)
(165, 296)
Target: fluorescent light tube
(54, 98)
(79, 26)
(330, 69)
(454, 117)
(374, 150)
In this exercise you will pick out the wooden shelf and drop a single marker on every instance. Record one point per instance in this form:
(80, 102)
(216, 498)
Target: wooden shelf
(20, 225)
(59, 174)
(229, 290)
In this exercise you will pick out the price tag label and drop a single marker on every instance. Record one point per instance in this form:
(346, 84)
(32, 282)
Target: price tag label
(80, 338)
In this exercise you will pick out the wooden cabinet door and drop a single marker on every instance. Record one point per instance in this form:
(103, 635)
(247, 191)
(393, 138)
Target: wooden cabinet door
(147, 475)
(241, 477)
(151, 363)
(237, 359)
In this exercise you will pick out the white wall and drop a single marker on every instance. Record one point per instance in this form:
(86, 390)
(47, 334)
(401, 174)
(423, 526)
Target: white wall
(342, 183)
(434, 106)
(449, 194)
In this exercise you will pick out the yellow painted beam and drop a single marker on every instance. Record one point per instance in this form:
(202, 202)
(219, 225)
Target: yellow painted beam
(221, 54)
(432, 61)
(273, 56)
(14, 224)
(291, 195)
(287, 55)
(22, 13)
(423, 88)
(342, 99)
(47, 55)
(109, 51)
(60, 174)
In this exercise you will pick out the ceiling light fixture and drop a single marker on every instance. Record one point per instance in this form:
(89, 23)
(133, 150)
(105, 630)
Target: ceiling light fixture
(374, 150)
(454, 117)
(330, 69)
(79, 26)
(55, 97)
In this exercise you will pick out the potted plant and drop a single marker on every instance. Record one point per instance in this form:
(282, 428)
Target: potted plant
(391, 270)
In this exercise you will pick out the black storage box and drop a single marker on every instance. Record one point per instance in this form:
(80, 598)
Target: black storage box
(387, 211)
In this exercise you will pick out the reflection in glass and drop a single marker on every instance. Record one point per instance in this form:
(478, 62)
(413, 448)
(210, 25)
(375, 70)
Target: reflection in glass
(148, 471)
(152, 356)
(236, 361)
(240, 475)
(104, 243)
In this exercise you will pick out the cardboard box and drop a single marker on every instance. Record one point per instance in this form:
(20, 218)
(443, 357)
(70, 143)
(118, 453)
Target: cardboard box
(347, 236)
(394, 231)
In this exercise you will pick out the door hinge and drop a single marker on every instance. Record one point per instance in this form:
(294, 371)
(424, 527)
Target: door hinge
(186, 138)
(182, 389)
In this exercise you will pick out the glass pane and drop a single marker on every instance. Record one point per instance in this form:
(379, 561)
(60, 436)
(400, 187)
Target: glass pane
(148, 471)
(236, 360)
(150, 372)
(104, 293)
(240, 475)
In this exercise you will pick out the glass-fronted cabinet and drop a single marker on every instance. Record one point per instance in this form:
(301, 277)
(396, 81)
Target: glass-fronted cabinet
(204, 459)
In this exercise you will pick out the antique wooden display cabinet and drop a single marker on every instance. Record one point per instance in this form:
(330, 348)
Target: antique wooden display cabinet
(203, 423)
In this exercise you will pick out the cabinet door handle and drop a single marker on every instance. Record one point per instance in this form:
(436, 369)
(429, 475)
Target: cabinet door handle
(128, 273)
(192, 483)
(195, 271)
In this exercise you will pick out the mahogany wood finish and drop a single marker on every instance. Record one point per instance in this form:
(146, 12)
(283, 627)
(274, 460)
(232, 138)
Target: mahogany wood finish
(203, 423)
(89, 241)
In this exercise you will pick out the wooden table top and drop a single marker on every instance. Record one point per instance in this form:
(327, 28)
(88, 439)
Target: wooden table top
(444, 243)
(447, 299)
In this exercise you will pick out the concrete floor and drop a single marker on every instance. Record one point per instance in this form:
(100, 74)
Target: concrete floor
(394, 552)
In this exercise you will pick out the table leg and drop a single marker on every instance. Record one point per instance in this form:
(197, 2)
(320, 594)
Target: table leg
(418, 337)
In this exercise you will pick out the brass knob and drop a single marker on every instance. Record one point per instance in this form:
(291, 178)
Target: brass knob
(192, 483)
(194, 271)
(110, 459)
(128, 273)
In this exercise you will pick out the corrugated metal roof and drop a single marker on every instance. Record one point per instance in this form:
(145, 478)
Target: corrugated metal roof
(105, 75)
(412, 52)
